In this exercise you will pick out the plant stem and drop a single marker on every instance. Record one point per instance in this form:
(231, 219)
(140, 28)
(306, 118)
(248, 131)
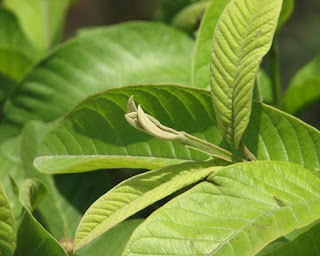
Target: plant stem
(274, 70)
(246, 152)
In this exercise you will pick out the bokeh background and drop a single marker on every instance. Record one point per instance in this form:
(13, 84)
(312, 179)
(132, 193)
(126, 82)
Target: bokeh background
(299, 40)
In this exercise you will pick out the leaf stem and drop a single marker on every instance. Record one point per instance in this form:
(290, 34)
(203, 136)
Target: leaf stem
(246, 152)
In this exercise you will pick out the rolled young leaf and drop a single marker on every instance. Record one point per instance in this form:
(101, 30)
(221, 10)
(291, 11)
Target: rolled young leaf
(242, 37)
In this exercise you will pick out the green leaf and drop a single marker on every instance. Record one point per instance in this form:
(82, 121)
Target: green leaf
(286, 11)
(246, 207)
(99, 59)
(200, 73)
(189, 18)
(41, 20)
(304, 88)
(33, 239)
(62, 208)
(135, 194)
(10, 171)
(6, 87)
(264, 86)
(16, 52)
(7, 226)
(242, 37)
(113, 241)
(307, 243)
(96, 135)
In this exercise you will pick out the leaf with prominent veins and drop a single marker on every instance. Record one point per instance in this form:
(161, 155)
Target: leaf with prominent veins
(242, 37)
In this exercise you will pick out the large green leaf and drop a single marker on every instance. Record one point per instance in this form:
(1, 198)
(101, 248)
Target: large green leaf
(307, 243)
(98, 59)
(41, 20)
(200, 73)
(241, 209)
(134, 195)
(96, 135)
(304, 88)
(7, 226)
(113, 241)
(62, 208)
(33, 239)
(243, 35)
(16, 53)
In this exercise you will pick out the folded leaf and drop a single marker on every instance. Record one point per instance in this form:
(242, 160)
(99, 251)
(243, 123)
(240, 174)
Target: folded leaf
(304, 88)
(7, 226)
(244, 208)
(135, 194)
(95, 134)
(99, 59)
(242, 37)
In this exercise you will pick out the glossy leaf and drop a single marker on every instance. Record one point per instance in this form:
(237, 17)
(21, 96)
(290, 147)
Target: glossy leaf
(62, 208)
(304, 88)
(98, 59)
(96, 135)
(200, 73)
(42, 21)
(307, 243)
(113, 241)
(7, 226)
(135, 194)
(33, 239)
(16, 52)
(243, 35)
(246, 207)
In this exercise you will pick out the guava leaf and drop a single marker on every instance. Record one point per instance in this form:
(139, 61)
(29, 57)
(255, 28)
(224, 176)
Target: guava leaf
(304, 88)
(243, 35)
(42, 21)
(135, 194)
(7, 226)
(95, 134)
(33, 239)
(200, 72)
(241, 208)
(16, 52)
(113, 241)
(286, 11)
(99, 59)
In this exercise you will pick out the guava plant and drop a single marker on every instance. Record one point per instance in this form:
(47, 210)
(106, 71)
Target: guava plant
(235, 176)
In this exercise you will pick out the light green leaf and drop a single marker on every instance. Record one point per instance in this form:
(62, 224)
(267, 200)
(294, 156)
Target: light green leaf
(10, 171)
(33, 239)
(113, 241)
(242, 37)
(135, 194)
(286, 11)
(96, 135)
(99, 59)
(307, 243)
(200, 73)
(304, 88)
(16, 52)
(41, 20)
(189, 18)
(246, 207)
(62, 208)
(7, 226)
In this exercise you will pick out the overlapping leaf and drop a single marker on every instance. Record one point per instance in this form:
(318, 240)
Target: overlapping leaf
(304, 88)
(134, 195)
(243, 35)
(96, 135)
(7, 226)
(99, 59)
(246, 207)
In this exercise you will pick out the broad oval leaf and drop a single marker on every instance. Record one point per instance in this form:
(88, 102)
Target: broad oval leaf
(7, 226)
(246, 207)
(243, 35)
(40, 242)
(135, 194)
(128, 53)
(96, 135)
(200, 72)
(304, 88)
